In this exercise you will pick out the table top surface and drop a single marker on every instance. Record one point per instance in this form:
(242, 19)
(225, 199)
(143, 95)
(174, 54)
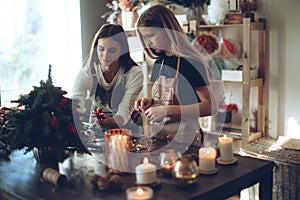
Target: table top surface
(20, 177)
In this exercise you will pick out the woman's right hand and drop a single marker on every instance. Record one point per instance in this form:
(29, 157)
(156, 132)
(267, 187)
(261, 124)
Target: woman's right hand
(143, 104)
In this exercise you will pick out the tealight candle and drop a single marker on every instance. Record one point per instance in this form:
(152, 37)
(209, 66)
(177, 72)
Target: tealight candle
(139, 193)
(226, 152)
(207, 158)
(146, 173)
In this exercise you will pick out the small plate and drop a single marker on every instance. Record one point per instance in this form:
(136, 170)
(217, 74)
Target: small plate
(208, 172)
(152, 185)
(221, 162)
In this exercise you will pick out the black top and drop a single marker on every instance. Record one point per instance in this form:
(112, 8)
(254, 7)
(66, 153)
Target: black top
(192, 75)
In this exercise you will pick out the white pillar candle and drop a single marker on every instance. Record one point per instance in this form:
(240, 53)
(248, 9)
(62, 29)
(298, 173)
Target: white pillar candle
(145, 172)
(139, 193)
(117, 149)
(207, 158)
(226, 152)
(118, 156)
(112, 152)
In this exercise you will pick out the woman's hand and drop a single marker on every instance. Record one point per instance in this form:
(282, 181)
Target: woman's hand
(106, 122)
(142, 104)
(156, 113)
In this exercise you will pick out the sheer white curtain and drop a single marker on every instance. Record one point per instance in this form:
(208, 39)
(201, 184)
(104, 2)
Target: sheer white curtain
(34, 34)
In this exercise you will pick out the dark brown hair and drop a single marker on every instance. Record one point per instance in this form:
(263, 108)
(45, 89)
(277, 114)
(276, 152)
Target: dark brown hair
(117, 33)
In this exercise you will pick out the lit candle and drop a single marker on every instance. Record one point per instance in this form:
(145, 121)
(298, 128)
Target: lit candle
(118, 148)
(168, 159)
(226, 152)
(168, 168)
(145, 172)
(139, 193)
(207, 158)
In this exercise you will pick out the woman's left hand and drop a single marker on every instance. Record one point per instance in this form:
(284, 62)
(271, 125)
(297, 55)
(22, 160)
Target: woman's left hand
(105, 122)
(156, 113)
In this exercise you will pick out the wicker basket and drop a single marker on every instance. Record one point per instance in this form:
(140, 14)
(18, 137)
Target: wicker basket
(286, 178)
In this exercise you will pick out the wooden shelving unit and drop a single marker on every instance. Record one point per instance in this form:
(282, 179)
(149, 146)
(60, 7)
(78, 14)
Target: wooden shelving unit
(247, 28)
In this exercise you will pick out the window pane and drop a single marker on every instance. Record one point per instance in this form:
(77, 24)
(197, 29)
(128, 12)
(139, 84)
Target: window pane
(37, 33)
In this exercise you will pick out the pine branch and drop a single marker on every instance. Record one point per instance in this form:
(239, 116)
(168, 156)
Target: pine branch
(49, 81)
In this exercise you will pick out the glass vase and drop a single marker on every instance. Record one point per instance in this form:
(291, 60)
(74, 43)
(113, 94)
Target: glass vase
(224, 117)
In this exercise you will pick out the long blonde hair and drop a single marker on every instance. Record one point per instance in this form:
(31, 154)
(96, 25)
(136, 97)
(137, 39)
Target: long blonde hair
(158, 16)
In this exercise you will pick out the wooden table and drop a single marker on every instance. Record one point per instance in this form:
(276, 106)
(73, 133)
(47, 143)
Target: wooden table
(20, 178)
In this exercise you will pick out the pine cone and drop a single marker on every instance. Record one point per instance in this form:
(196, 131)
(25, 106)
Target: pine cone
(103, 183)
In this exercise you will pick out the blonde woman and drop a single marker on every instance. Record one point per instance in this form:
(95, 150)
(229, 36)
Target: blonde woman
(181, 90)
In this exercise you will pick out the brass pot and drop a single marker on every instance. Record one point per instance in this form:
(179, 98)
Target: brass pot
(185, 170)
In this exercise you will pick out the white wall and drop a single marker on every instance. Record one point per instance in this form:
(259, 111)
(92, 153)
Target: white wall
(282, 62)
(91, 11)
(283, 79)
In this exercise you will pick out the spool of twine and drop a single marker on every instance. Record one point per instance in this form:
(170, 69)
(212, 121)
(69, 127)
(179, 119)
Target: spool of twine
(52, 176)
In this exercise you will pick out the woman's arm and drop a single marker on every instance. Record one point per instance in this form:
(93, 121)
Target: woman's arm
(133, 88)
(82, 85)
(206, 107)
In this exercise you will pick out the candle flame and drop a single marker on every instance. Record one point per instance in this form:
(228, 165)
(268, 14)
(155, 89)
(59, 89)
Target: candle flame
(119, 137)
(225, 136)
(146, 160)
(140, 191)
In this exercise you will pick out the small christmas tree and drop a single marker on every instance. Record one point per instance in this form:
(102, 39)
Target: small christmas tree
(45, 119)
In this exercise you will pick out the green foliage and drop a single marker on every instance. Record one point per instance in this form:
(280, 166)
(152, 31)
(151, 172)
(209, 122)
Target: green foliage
(44, 119)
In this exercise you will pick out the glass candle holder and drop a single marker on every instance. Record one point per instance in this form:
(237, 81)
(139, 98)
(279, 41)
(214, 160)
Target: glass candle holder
(168, 159)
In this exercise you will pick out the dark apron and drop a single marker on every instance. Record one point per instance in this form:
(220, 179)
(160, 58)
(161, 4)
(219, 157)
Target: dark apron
(109, 101)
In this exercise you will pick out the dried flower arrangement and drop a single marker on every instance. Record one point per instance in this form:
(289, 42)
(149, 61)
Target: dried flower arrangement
(205, 42)
(232, 107)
